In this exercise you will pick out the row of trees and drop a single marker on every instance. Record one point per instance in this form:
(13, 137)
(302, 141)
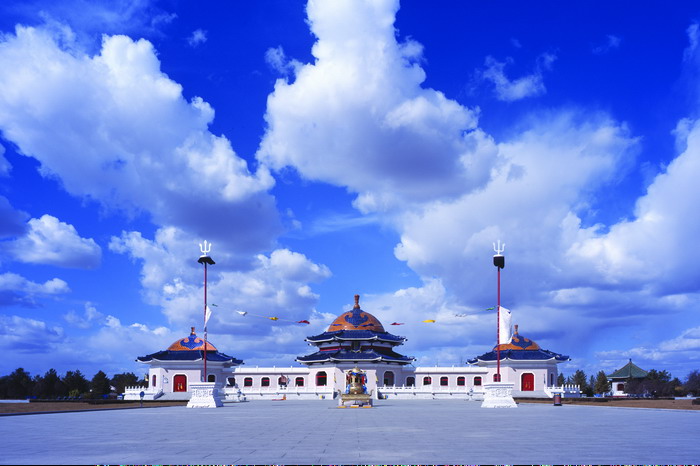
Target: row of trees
(20, 384)
(656, 383)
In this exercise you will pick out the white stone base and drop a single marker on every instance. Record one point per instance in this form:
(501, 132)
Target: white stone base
(498, 395)
(205, 395)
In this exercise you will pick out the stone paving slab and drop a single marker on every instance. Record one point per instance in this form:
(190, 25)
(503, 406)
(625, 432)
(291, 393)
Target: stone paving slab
(316, 432)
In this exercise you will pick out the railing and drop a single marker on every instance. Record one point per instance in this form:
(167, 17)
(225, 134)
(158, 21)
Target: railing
(268, 393)
(430, 392)
(566, 391)
(134, 393)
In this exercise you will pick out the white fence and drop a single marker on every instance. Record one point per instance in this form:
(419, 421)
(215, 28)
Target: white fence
(566, 391)
(134, 393)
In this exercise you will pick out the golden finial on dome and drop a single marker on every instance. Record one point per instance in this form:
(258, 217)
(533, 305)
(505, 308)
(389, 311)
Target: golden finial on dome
(192, 331)
(357, 301)
(516, 329)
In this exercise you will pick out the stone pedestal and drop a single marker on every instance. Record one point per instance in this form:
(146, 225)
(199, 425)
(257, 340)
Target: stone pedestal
(498, 395)
(205, 395)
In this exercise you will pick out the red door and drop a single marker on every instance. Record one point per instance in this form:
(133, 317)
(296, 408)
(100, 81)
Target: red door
(180, 382)
(527, 382)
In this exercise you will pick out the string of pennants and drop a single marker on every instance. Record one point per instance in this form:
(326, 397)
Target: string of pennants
(306, 322)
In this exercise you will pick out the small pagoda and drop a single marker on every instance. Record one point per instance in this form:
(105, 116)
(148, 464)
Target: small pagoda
(619, 379)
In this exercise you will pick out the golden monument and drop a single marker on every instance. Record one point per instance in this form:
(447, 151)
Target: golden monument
(355, 390)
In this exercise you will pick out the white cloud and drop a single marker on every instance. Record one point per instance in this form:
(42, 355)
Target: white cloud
(272, 284)
(654, 248)
(548, 175)
(359, 117)
(12, 222)
(278, 61)
(89, 316)
(23, 335)
(52, 242)
(4, 164)
(612, 42)
(15, 289)
(132, 126)
(516, 89)
(198, 37)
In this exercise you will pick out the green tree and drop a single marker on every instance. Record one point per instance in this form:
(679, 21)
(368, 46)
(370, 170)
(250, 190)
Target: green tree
(19, 385)
(76, 383)
(601, 384)
(127, 379)
(99, 385)
(49, 386)
(692, 383)
(560, 379)
(579, 378)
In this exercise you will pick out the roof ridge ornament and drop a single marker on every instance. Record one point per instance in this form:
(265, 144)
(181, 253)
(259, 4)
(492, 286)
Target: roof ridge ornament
(357, 301)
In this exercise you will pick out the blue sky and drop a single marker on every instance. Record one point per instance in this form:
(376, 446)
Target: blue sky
(342, 147)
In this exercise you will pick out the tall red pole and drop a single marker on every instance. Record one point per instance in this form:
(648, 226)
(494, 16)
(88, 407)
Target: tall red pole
(206, 260)
(498, 330)
(205, 322)
(499, 261)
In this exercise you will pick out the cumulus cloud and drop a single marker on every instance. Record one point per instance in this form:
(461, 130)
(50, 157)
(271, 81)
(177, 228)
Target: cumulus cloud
(89, 316)
(549, 173)
(23, 335)
(197, 38)
(4, 164)
(17, 290)
(52, 242)
(612, 42)
(510, 90)
(653, 247)
(109, 126)
(359, 117)
(278, 61)
(278, 283)
(92, 18)
(12, 222)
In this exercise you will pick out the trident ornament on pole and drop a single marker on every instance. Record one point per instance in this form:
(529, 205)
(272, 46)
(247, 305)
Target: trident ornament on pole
(205, 248)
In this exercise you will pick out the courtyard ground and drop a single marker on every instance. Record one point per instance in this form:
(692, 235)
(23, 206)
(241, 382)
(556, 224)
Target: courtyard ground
(317, 432)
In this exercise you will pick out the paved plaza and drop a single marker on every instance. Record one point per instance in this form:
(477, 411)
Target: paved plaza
(317, 432)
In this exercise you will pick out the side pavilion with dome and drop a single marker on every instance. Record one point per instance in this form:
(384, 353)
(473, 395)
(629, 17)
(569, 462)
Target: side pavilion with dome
(171, 371)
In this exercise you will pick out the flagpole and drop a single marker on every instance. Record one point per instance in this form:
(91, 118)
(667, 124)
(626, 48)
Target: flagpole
(499, 261)
(205, 259)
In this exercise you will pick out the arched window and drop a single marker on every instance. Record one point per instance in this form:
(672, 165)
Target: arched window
(527, 382)
(461, 381)
(153, 381)
(282, 381)
(299, 382)
(443, 381)
(427, 381)
(620, 387)
(496, 377)
(265, 382)
(388, 379)
(321, 379)
(410, 381)
(248, 382)
(477, 381)
(211, 378)
(231, 381)
(551, 379)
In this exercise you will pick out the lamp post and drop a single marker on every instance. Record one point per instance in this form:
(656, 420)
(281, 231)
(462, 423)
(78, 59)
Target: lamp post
(206, 260)
(499, 261)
